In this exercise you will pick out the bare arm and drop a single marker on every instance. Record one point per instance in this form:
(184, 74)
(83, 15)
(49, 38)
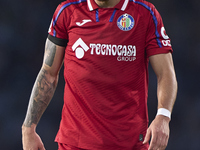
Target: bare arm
(163, 67)
(43, 89)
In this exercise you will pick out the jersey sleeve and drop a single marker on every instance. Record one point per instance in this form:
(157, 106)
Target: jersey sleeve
(58, 27)
(157, 41)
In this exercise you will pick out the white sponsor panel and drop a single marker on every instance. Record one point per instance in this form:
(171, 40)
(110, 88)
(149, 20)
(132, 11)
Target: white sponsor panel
(80, 47)
(108, 49)
(123, 52)
(165, 42)
(164, 35)
(50, 26)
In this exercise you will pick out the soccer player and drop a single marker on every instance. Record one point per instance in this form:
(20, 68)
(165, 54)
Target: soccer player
(106, 46)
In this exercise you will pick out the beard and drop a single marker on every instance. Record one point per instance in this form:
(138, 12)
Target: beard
(102, 0)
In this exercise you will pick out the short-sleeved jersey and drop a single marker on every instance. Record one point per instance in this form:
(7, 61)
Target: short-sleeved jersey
(106, 71)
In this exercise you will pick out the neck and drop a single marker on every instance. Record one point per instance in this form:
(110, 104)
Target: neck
(107, 3)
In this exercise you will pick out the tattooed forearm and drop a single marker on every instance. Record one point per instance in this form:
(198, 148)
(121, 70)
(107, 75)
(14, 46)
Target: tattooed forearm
(50, 51)
(42, 94)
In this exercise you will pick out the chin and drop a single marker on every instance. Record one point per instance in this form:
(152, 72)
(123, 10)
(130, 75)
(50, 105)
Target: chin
(103, 0)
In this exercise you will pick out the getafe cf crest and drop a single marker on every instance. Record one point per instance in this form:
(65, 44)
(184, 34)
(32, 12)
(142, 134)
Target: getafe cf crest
(125, 22)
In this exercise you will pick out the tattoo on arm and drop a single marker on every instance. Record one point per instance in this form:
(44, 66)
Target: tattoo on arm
(50, 51)
(42, 94)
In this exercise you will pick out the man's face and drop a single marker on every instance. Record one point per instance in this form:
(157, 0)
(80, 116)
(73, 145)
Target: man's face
(106, 3)
(102, 0)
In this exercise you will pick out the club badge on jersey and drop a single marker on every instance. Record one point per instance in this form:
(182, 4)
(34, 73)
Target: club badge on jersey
(125, 22)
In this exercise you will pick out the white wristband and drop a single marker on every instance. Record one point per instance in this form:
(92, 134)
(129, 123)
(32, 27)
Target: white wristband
(164, 112)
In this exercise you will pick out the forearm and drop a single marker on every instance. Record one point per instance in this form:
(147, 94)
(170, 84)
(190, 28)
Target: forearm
(163, 67)
(41, 95)
(167, 90)
(158, 130)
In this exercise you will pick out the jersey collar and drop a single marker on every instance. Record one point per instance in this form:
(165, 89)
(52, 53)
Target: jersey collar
(121, 5)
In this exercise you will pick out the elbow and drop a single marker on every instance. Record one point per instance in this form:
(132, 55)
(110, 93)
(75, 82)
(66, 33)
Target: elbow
(48, 76)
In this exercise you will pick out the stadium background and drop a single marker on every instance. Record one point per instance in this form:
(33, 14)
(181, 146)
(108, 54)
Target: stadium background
(23, 31)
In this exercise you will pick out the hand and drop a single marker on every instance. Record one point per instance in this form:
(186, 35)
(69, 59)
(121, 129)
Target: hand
(31, 140)
(158, 131)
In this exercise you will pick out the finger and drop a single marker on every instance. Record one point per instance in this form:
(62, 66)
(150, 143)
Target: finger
(164, 142)
(154, 144)
(147, 137)
(41, 147)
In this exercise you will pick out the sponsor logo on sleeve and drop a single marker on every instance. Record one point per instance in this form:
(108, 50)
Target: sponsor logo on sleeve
(50, 26)
(166, 41)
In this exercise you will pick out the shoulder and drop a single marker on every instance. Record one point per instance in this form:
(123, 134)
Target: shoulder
(72, 3)
(142, 5)
(69, 6)
(145, 8)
